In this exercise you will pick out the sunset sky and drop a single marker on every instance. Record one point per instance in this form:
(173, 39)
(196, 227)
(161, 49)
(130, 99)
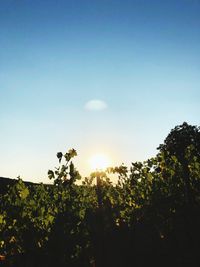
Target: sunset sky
(99, 76)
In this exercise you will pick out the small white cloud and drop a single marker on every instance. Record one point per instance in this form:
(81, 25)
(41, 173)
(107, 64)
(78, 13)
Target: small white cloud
(96, 105)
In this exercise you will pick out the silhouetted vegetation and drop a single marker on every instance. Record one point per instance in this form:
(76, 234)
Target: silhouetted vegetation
(151, 217)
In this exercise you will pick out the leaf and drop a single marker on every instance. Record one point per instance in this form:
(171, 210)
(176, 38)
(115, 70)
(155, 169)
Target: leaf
(67, 156)
(72, 153)
(59, 156)
(1, 219)
(24, 193)
(51, 174)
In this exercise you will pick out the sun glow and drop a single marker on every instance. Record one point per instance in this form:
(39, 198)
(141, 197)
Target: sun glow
(99, 162)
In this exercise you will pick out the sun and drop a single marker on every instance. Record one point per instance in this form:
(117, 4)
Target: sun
(99, 162)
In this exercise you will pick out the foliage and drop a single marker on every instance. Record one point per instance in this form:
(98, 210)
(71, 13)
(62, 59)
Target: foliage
(153, 210)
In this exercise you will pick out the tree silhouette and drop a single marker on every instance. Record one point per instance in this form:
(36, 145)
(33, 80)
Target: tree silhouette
(183, 144)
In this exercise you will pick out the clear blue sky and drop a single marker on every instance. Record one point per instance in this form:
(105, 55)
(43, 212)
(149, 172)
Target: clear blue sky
(142, 58)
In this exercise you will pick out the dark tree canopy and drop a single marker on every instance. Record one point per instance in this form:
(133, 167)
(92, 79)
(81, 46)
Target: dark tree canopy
(180, 139)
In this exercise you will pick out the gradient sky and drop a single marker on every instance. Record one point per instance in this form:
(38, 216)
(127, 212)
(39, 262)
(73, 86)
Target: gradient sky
(142, 58)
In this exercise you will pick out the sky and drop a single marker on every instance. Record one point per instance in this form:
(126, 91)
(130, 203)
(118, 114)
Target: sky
(99, 76)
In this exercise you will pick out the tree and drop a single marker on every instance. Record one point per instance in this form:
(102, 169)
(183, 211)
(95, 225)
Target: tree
(182, 145)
